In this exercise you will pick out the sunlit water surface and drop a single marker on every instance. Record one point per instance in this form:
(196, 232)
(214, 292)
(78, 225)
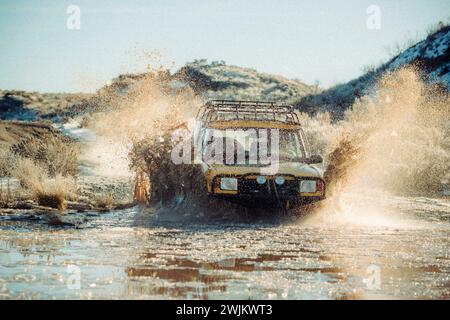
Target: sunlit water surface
(136, 254)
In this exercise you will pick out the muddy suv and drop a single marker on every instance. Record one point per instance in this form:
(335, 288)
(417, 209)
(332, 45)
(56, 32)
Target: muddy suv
(256, 151)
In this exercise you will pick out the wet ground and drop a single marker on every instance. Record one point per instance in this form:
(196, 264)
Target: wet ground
(396, 249)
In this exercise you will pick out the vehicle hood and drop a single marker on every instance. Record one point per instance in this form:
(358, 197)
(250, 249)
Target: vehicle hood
(287, 168)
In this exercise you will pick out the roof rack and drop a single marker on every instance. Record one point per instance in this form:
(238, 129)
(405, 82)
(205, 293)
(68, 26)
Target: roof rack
(227, 110)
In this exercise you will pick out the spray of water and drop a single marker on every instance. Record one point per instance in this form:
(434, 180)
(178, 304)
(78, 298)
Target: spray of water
(131, 110)
(395, 140)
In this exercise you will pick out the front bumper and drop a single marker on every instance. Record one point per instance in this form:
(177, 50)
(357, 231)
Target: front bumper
(248, 187)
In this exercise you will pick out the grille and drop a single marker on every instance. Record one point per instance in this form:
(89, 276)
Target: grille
(252, 187)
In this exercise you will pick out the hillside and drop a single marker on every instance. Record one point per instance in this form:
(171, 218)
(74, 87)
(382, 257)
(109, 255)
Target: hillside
(14, 132)
(431, 55)
(30, 106)
(214, 80)
(217, 80)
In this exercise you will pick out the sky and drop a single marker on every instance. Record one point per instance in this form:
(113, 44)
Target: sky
(325, 42)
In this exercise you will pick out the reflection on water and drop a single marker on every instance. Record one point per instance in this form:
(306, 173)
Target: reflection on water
(131, 254)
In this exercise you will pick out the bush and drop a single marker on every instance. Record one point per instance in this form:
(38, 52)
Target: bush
(55, 155)
(53, 200)
(104, 202)
(7, 163)
(48, 191)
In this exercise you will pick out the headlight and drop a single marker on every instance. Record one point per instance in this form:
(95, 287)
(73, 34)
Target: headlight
(279, 180)
(308, 186)
(228, 184)
(261, 179)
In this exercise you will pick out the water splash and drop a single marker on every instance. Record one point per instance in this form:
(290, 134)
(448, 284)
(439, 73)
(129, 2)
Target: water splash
(396, 140)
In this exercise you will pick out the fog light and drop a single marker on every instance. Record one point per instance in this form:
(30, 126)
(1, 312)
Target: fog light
(228, 184)
(309, 186)
(261, 179)
(279, 180)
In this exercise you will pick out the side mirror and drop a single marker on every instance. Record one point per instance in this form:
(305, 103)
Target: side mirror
(314, 159)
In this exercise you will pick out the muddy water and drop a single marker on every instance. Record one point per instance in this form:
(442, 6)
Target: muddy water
(138, 254)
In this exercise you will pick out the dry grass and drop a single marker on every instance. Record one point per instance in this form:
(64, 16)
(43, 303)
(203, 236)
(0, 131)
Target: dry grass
(48, 191)
(103, 202)
(42, 160)
(56, 155)
(53, 200)
(7, 165)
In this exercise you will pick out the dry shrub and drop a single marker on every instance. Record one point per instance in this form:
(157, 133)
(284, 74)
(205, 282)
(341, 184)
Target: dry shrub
(56, 155)
(48, 191)
(7, 165)
(104, 202)
(29, 173)
(53, 200)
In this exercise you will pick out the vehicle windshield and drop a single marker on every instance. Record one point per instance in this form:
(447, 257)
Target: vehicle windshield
(250, 146)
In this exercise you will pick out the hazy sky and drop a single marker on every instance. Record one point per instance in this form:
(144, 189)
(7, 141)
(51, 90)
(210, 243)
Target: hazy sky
(325, 41)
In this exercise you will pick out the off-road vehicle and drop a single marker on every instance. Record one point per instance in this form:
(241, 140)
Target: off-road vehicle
(257, 151)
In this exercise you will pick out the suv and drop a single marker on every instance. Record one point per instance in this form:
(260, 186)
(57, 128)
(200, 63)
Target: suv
(256, 151)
